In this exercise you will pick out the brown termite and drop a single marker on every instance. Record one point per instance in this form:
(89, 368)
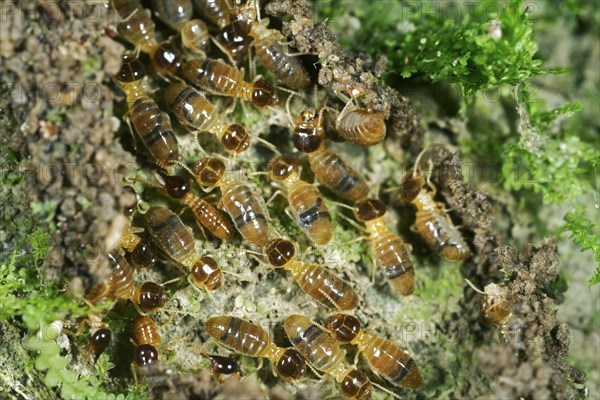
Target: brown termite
(314, 280)
(151, 125)
(177, 242)
(385, 357)
(240, 200)
(250, 339)
(390, 252)
(194, 110)
(221, 79)
(305, 201)
(120, 285)
(432, 221)
(272, 51)
(324, 353)
(496, 307)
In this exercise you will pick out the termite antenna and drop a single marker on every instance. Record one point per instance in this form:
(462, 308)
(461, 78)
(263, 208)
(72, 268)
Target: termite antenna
(182, 165)
(378, 386)
(475, 287)
(418, 161)
(135, 179)
(288, 110)
(268, 145)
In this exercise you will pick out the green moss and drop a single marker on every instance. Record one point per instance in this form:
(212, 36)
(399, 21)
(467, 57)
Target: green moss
(585, 233)
(92, 65)
(474, 45)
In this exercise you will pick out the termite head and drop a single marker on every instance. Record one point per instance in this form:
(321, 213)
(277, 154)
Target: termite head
(369, 210)
(176, 186)
(291, 365)
(263, 94)
(131, 70)
(236, 139)
(279, 252)
(308, 134)
(235, 38)
(411, 186)
(307, 115)
(356, 385)
(344, 328)
(209, 171)
(152, 296)
(166, 59)
(283, 167)
(222, 365)
(145, 354)
(206, 274)
(99, 340)
(143, 255)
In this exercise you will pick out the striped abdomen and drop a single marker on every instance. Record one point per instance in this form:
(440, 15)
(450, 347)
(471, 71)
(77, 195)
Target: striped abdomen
(388, 360)
(323, 286)
(191, 107)
(217, 12)
(248, 212)
(339, 176)
(310, 211)
(237, 334)
(319, 349)
(121, 280)
(361, 127)
(392, 255)
(436, 228)
(214, 76)
(174, 13)
(139, 28)
(145, 332)
(171, 235)
(210, 217)
(153, 127)
(275, 57)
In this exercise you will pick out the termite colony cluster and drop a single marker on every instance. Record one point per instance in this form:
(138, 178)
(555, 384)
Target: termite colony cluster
(185, 77)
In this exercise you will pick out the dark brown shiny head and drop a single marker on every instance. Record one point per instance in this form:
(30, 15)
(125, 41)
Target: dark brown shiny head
(206, 273)
(263, 94)
(279, 252)
(282, 167)
(343, 327)
(223, 365)
(308, 135)
(234, 37)
(128, 200)
(356, 385)
(236, 139)
(131, 70)
(99, 340)
(152, 296)
(209, 171)
(166, 59)
(176, 186)
(369, 210)
(291, 365)
(143, 255)
(411, 186)
(145, 354)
